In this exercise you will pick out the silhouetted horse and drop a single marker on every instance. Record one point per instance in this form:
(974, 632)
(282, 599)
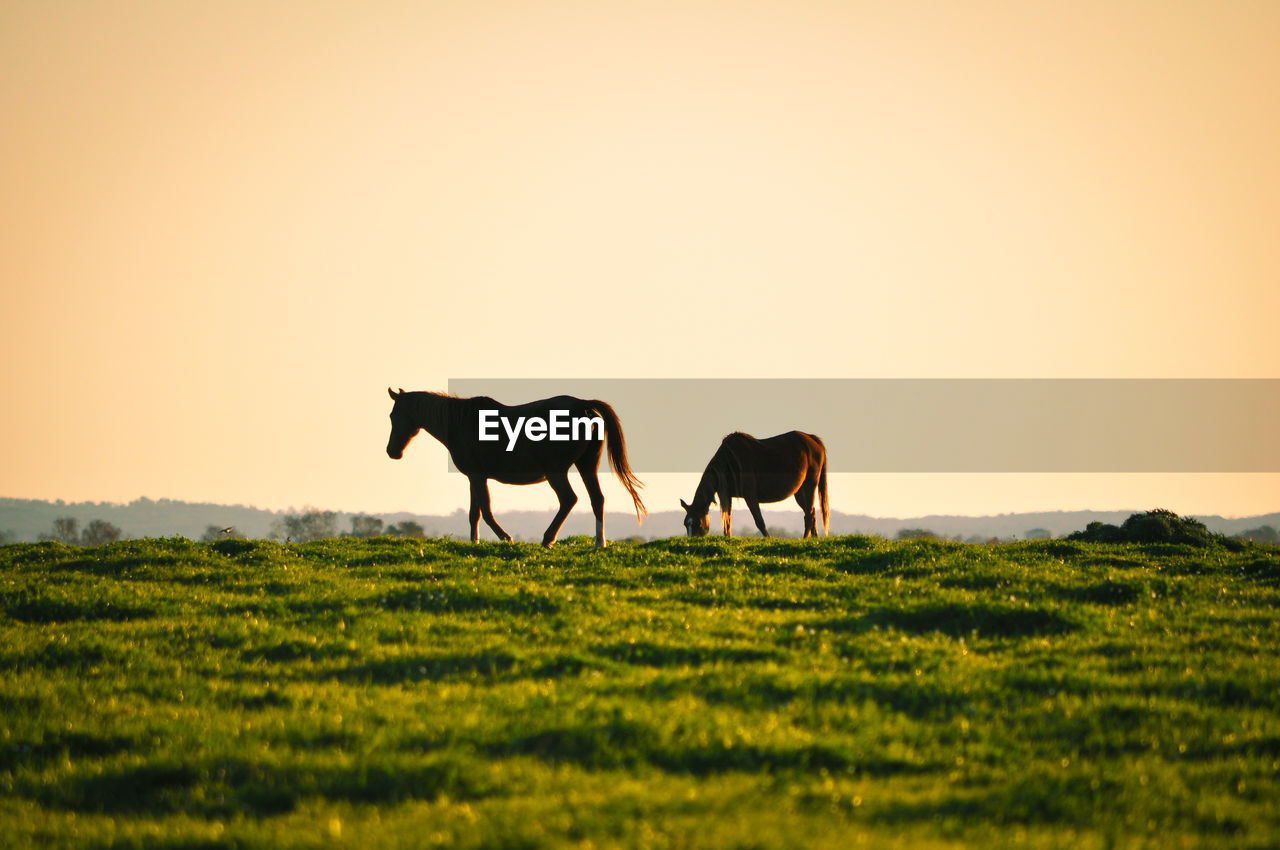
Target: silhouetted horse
(517, 456)
(762, 471)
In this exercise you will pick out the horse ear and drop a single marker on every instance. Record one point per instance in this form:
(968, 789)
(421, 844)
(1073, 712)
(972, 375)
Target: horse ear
(402, 391)
(391, 393)
(683, 505)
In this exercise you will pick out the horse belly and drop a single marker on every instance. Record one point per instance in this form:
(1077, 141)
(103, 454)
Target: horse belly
(514, 478)
(774, 487)
(526, 464)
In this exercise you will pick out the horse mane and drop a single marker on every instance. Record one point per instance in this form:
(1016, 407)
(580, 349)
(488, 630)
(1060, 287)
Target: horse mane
(737, 437)
(440, 410)
(724, 471)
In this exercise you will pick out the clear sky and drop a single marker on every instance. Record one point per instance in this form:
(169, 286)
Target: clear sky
(226, 227)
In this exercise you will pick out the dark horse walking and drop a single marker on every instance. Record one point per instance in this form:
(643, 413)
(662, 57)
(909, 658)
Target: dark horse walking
(762, 471)
(515, 449)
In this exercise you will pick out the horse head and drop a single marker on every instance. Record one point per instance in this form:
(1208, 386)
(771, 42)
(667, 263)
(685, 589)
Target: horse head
(403, 428)
(695, 521)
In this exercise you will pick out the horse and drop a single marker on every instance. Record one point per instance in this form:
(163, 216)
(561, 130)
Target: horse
(478, 434)
(758, 471)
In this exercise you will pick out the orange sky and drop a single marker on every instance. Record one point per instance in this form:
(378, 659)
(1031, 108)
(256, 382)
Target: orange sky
(226, 227)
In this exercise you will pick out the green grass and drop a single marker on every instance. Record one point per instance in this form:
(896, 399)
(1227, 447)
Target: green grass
(680, 693)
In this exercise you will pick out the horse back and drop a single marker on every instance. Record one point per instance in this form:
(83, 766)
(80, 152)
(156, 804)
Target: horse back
(773, 468)
(530, 461)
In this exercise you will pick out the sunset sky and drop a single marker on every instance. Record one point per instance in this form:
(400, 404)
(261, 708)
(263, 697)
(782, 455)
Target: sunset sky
(226, 227)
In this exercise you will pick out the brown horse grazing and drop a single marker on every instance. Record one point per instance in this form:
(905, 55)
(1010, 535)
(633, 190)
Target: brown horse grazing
(523, 444)
(762, 471)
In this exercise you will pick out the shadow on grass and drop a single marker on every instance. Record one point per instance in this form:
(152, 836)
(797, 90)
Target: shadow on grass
(1267, 747)
(1262, 571)
(914, 698)
(123, 567)
(644, 654)
(1112, 561)
(1109, 592)
(1081, 800)
(615, 744)
(431, 668)
(45, 609)
(619, 581)
(663, 577)
(294, 650)
(890, 562)
(711, 546)
(229, 787)
(59, 746)
(159, 788)
(56, 656)
(751, 758)
(786, 548)
(563, 666)
(456, 600)
(618, 743)
(256, 701)
(768, 604)
(958, 620)
(972, 581)
(490, 666)
(179, 843)
(786, 567)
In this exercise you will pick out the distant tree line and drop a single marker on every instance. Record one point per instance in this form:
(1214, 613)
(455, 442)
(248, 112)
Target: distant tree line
(66, 529)
(926, 534)
(1262, 534)
(314, 524)
(1157, 526)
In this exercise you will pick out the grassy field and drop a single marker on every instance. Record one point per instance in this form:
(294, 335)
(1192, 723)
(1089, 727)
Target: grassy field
(679, 693)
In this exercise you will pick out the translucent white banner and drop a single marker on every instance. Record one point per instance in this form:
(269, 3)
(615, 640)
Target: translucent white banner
(940, 425)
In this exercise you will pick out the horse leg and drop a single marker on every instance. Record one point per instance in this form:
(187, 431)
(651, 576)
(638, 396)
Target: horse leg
(473, 514)
(591, 479)
(480, 507)
(754, 507)
(559, 482)
(726, 516)
(804, 498)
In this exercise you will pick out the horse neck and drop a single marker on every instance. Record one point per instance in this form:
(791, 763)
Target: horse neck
(722, 478)
(706, 491)
(434, 414)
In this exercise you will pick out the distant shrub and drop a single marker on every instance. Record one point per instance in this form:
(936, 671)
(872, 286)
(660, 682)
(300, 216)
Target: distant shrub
(365, 526)
(99, 532)
(1098, 532)
(1157, 526)
(66, 529)
(406, 528)
(1038, 534)
(1262, 534)
(311, 524)
(916, 534)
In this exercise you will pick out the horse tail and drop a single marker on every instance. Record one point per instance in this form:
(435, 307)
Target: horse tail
(822, 494)
(822, 489)
(617, 446)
